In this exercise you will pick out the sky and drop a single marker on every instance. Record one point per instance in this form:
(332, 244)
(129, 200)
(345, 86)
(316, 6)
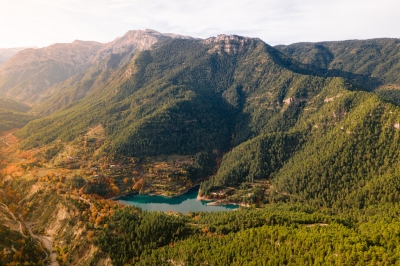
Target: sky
(44, 22)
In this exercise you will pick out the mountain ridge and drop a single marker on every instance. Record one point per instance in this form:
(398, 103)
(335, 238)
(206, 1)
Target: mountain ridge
(312, 149)
(6, 53)
(54, 64)
(376, 58)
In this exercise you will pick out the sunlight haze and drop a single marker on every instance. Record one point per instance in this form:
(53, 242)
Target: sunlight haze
(43, 22)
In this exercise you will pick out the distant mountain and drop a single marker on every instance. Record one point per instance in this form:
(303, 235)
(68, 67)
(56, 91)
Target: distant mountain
(29, 75)
(107, 65)
(6, 53)
(32, 70)
(132, 42)
(378, 59)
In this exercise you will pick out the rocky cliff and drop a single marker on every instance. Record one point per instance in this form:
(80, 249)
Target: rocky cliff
(230, 44)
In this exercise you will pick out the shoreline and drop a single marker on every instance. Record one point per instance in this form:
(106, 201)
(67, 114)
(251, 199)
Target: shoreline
(211, 201)
(155, 194)
(221, 203)
(204, 198)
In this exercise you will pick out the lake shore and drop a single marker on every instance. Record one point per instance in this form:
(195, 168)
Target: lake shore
(158, 193)
(220, 202)
(223, 202)
(211, 201)
(185, 203)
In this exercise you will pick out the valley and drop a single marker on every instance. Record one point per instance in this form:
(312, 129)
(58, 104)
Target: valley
(305, 138)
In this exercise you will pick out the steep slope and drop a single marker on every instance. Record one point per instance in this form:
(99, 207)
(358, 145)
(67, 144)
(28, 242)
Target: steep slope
(6, 53)
(360, 148)
(132, 42)
(112, 56)
(187, 96)
(182, 97)
(377, 59)
(152, 98)
(293, 132)
(33, 75)
(76, 87)
(13, 105)
(32, 70)
(337, 146)
(13, 114)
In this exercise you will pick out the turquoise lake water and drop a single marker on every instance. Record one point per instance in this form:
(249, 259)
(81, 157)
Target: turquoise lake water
(184, 203)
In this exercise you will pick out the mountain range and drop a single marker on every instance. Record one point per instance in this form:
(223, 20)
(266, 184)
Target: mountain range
(6, 53)
(157, 93)
(163, 94)
(30, 74)
(319, 123)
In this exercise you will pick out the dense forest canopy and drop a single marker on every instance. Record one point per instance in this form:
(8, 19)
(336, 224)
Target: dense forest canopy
(317, 125)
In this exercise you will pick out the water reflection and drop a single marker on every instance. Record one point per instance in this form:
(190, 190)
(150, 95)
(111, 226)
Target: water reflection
(184, 203)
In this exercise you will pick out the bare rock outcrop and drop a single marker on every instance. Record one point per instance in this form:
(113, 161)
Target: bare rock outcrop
(230, 44)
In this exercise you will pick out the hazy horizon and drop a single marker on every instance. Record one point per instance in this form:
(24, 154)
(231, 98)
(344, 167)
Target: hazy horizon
(40, 23)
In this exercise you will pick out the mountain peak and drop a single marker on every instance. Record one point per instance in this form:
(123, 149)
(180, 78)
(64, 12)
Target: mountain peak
(229, 43)
(135, 40)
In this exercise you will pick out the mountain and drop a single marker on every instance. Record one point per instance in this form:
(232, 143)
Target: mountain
(374, 62)
(13, 105)
(32, 70)
(236, 93)
(106, 65)
(149, 92)
(6, 53)
(306, 135)
(13, 115)
(29, 75)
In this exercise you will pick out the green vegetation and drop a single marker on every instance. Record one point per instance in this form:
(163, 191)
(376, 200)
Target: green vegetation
(370, 63)
(13, 115)
(24, 251)
(131, 232)
(12, 120)
(11, 105)
(274, 235)
(308, 137)
(390, 93)
(75, 87)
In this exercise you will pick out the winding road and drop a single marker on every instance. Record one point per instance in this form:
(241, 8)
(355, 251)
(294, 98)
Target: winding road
(37, 238)
(14, 218)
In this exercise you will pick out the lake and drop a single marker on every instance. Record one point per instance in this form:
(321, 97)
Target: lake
(185, 203)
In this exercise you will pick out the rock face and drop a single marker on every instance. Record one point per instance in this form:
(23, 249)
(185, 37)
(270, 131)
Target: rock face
(31, 71)
(134, 41)
(230, 44)
(294, 100)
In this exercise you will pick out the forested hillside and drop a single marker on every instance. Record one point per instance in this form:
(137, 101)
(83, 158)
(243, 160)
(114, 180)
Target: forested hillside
(187, 96)
(34, 75)
(13, 115)
(307, 136)
(375, 58)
